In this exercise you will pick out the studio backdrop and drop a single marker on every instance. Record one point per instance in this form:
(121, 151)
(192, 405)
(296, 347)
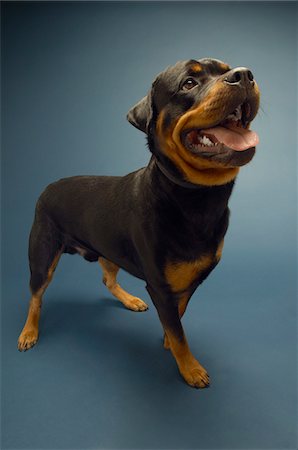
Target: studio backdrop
(99, 376)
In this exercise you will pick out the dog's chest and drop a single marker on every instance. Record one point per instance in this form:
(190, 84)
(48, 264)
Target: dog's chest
(180, 275)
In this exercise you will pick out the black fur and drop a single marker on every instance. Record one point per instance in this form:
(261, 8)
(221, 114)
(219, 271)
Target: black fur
(144, 219)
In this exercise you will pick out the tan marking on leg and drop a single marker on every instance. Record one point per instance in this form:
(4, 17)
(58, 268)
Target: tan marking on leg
(191, 370)
(29, 334)
(219, 250)
(166, 342)
(110, 271)
(180, 275)
(183, 301)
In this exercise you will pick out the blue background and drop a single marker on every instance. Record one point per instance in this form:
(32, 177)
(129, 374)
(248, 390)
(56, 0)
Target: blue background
(99, 377)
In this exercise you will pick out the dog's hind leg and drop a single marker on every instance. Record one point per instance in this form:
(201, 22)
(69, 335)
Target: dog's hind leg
(45, 249)
(110, 271)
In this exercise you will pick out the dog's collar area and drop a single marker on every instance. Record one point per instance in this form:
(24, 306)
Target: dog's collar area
(171, 177)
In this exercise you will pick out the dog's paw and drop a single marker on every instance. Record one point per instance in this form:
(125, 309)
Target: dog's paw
(27, 339)
(136, 304)
(196, 376)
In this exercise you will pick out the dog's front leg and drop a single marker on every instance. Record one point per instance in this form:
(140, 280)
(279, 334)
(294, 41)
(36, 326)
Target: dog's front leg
(191, 370)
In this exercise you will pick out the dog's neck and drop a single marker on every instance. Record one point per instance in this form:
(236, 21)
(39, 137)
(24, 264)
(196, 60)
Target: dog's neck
(175, 179)
(171, 180)
(190, 198)
(192, 216)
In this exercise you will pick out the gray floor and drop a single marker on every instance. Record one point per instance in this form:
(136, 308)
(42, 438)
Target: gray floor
(99, 377)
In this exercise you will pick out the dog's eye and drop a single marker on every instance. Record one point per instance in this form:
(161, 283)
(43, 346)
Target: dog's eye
(189, 84)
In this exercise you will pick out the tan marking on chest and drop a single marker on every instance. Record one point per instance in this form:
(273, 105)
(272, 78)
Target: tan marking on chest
(180, 275)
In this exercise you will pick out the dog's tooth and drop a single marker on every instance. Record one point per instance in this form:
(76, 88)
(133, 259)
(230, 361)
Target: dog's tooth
(206, 141)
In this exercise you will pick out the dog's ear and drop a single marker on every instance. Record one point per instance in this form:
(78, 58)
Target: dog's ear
(141, 114)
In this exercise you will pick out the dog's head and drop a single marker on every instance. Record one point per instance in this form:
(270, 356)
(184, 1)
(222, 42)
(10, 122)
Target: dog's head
(197, 117)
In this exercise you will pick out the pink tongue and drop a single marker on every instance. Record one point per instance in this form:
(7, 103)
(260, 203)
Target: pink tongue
(237, 138)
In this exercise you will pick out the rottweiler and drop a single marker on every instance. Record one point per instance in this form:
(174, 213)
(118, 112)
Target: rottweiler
(164, 223)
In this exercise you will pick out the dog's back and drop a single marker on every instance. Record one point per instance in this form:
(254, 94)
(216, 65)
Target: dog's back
(165, 223)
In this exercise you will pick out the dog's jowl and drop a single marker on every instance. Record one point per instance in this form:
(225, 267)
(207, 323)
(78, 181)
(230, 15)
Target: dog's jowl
(164, 223)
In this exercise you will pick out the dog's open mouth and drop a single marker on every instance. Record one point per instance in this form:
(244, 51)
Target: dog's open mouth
(231, 133)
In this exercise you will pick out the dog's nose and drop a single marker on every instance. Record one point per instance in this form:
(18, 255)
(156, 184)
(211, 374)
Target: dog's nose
(239, 76)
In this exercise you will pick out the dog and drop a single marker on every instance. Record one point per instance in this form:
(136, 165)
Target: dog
(164, 223)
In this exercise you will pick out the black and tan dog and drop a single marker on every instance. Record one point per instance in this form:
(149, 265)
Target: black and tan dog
(164, 223)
